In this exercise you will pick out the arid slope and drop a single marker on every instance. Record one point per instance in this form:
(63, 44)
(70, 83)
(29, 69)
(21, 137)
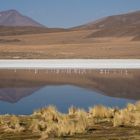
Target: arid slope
(111, 37)
(74, 44)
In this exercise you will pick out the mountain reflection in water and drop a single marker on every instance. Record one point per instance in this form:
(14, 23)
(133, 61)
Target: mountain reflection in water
(17, 84)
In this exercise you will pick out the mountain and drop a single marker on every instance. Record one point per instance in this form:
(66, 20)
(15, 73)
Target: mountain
(115, 26)
(129, 19)
(124, 25)
(14, 23)
(14, 18)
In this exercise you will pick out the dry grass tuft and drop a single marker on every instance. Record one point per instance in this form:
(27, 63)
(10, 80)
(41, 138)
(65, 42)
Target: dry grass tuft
(137, 106)
(49, 122)
(130, 116)
(49, 113)
(101, 112)
(12, 124)
(131, 107)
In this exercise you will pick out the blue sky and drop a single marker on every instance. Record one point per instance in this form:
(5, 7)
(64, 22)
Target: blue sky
(68, 13)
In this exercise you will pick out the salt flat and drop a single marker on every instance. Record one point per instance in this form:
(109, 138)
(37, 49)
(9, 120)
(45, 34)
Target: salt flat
(71, 64)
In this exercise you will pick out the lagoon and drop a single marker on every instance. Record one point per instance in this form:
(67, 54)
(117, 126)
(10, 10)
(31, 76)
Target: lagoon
(23, 91)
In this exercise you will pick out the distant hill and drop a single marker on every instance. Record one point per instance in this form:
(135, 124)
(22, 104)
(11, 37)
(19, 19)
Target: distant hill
(115, 26)
(14, 18)
(14, 23)
(124, 25)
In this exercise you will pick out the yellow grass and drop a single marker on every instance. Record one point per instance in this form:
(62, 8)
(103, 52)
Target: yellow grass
(130, 116)
(49, 122)
(101, 112)
(12, 124)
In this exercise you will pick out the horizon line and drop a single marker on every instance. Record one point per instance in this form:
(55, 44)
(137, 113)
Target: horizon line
(87, 22)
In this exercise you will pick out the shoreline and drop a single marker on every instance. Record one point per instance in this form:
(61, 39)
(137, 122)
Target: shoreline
(70, 64)
(99, 122)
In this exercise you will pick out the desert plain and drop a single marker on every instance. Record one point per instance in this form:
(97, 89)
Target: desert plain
(67, 44)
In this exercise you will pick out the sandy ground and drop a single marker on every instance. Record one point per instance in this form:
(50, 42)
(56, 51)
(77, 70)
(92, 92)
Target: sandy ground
(73, 44)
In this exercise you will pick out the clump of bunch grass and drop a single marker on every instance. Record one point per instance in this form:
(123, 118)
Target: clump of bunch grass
(49, 113)
(11, 124)
(100, 111)
(49, 122)
(130, 116)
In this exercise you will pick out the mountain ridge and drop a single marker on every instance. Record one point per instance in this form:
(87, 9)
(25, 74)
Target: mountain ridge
(14, 18)
(122, 25)
(125, 16)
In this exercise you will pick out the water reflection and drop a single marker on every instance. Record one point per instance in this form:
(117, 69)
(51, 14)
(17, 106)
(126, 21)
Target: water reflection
(63, 88)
